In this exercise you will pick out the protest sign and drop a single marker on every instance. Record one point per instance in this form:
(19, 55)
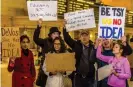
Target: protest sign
(80, 20)
(104, 72)
(111, 22)
(60, 62)
(10, 42)
(47, 10)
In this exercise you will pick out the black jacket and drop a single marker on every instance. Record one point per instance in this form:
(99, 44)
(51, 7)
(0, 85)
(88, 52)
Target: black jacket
(127, 50)
(45, 43)
(77, 47)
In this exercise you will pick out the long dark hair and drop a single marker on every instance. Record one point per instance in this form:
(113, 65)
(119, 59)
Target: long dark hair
(23, 37)
(119, 42)
(63, 47)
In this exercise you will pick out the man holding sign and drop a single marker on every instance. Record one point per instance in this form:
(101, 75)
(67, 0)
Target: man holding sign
(85, 59)
(111, 22)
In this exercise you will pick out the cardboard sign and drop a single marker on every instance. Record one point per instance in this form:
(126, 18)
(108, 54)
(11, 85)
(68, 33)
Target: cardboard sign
(60, 62)
(80, 20)
(47, 10)
(111, 22)
(10, 42)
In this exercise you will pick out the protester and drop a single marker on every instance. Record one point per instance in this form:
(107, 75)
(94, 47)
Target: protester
(85, 59)
(23, 68)
(130, 57)
(107, 51)
(121, 68)
(45, 44)
(55, 79)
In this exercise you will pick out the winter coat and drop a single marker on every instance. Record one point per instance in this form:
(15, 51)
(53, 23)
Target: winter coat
(23, 70)
(77, 47)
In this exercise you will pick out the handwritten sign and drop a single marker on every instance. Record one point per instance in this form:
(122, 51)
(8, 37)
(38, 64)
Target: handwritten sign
(10, 42)
(80, 20)
(60, 62)
(47, 10)
(111, 22)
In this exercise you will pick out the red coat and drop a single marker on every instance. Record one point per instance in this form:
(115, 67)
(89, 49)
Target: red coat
(24, 71)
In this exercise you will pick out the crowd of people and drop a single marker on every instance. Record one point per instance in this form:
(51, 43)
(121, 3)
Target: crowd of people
(102, 52)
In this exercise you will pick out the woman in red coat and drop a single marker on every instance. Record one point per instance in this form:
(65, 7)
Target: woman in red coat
(23, 68)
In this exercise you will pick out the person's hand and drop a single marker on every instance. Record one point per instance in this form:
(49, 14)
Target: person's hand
(114, 72)
(124, 39)
(96, 43)
(40, 22)
(111, 40)
(53, 73)
(62, 72)
(13, 59)
(64, 23)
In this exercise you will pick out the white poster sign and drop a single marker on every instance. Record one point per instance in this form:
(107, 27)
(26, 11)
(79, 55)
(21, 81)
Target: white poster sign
(111, 22)
(47, 10)
(83, 19)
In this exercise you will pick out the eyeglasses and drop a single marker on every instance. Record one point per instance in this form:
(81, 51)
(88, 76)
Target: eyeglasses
(25, 42)
(57, 44)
